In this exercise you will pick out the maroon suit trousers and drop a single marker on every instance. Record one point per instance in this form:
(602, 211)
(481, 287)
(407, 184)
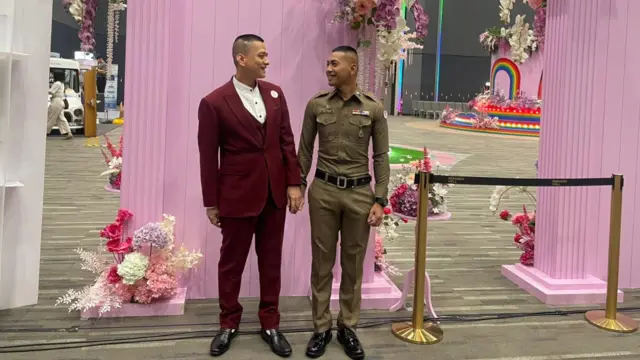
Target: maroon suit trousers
(237, 233)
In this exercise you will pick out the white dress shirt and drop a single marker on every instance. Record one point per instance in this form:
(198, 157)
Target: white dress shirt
(252, 100)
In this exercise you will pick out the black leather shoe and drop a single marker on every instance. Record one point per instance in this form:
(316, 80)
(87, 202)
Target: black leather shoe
(276, 340)
(318, 344)
(349, 341)
(222, 341)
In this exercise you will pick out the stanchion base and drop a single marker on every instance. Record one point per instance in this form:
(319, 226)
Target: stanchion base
(430, 334)
(622, 323)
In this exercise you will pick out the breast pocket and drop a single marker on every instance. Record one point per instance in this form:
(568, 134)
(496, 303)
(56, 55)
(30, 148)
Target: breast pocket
(327, 127)
(359, 129)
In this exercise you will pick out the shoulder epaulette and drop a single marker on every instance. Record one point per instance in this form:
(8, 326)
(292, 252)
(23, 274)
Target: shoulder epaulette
(321, 93)
(370, 95)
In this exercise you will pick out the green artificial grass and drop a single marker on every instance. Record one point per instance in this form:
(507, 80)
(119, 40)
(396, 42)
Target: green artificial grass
(403, 156)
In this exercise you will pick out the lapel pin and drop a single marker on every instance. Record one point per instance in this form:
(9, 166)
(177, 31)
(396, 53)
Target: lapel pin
(274, 94)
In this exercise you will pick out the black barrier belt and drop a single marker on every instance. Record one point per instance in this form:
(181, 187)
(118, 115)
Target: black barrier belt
(477, 180)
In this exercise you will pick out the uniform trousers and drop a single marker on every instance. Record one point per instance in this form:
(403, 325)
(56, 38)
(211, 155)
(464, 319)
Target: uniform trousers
(237, 233)
(55, 116)
(336, 211)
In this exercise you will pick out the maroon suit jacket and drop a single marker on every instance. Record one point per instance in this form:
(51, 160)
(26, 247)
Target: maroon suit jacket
(238, 184)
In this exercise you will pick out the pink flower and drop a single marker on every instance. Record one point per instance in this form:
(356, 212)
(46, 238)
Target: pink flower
(112, 232)
(534, 4)
(363, 7)
(123, 215)
(517, 238)
(117, 247)
(123, 291)
(113, 277)
(505, 215)
(387, 211)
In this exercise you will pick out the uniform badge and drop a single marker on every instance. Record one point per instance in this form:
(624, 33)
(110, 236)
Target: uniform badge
(385, 114)
(361, 134)
(274, 94)
(360, 112)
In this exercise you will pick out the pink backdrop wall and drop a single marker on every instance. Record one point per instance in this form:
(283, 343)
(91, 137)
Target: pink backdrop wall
(530, 72)
(177, 52)
(591, 128)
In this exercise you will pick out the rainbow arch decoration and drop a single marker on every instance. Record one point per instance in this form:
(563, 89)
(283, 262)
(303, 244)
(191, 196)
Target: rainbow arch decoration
(512, 71)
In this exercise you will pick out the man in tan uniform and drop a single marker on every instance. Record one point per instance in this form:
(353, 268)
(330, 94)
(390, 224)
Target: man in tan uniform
(341, 199)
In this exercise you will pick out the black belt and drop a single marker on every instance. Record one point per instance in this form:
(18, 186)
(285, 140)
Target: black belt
(342, 182)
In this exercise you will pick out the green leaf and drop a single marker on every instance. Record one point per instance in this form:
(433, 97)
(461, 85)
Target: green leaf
(370, 21)
(366, 43)
(356, 25)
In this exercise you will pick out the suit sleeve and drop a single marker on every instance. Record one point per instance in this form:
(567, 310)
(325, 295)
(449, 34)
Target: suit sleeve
(307, 140)
(208, 143)
(288, 146)
(381, 168)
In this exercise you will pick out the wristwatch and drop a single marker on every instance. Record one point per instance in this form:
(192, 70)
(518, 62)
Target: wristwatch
(382, 201)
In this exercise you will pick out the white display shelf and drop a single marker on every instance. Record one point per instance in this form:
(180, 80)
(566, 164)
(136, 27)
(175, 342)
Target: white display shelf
(14, 55)
(12, 184)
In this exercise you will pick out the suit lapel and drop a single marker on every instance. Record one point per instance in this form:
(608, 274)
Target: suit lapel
(237, 107)
(270, 108)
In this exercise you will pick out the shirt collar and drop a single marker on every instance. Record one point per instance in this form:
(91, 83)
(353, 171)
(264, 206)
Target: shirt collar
(242, 87)
(358, 95)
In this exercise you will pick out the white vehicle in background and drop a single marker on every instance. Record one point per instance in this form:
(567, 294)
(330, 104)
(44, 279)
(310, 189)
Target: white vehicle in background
(71, 70)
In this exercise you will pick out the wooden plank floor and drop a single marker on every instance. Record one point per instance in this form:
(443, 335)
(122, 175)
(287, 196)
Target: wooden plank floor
(464, 259)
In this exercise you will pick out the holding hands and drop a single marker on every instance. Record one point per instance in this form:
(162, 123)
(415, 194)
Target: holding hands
(295, 199)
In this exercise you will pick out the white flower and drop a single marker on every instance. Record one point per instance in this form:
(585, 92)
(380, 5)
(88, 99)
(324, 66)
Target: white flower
(439, 190)
(505, 10)
(133, 267)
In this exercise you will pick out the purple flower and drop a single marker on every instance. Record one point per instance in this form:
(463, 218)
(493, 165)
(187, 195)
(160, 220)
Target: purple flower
(387, 11)
(153, 234)
(87, 30)
(421, 18)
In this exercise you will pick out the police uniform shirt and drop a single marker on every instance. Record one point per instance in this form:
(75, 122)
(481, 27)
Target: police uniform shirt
(344, 129)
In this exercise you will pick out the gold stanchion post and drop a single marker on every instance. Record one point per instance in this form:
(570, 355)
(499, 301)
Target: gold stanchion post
(609, 319)
(419, 332)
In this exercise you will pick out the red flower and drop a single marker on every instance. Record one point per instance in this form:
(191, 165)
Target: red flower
(387, 211)
(505, 215)
(405, 220)
(123, 215)
(112, 232)
(527, 258)
(117, 247)
(113, 277)
(517, 238)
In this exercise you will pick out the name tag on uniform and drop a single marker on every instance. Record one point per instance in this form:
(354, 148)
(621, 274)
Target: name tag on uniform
(360, 112)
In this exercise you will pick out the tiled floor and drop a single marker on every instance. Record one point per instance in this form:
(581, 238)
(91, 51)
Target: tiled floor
(464, 259)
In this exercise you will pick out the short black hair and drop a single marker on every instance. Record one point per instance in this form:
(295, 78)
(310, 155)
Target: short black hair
(241, 43)
(346, 49)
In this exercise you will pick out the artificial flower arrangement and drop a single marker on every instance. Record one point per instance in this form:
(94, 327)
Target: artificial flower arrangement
(140, 269)
(519, 38)
(386, 232)
(404, 197)
(525, 222)
(488, 102)
(389, 31)
(114, 163)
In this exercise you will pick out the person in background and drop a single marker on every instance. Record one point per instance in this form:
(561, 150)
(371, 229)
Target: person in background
(101, 76)
(55, 114)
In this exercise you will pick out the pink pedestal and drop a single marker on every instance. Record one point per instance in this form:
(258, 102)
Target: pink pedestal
(379, 294)
(550, 291)
(168, 307)
(591, 123)
(110, 188)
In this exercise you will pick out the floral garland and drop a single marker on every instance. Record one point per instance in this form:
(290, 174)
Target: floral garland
(114, 163)
(84, 12)
(404, 197)
(479, 120)
(519, 38)
(390, 34)
(136, 274)
(525, 222)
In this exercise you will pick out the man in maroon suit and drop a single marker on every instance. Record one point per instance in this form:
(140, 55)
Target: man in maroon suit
(246, 193)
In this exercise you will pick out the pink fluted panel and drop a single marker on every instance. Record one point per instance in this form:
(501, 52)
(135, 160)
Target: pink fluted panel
(591, 126)
(177, 52)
